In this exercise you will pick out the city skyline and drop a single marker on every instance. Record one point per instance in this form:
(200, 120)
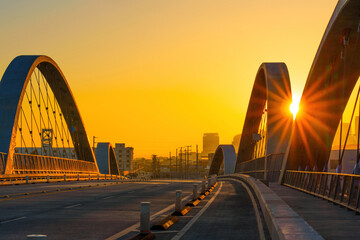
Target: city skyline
(168, 72)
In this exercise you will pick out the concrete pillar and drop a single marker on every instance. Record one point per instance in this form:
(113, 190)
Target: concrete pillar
(78, 177)
(36, 237)
(195, 192)
(202, 187)
(145, 217)
(64, 177)
(98, 177)
(89, 177)
(178, 200)
(26, 179)
(105, 176)
(47, 178)
(209, 183)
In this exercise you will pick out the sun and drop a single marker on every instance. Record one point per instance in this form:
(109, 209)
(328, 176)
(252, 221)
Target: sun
(294, 106)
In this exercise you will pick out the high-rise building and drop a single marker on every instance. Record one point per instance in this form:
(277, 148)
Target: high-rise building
(124, 157)
(210, 143)
(236, 142)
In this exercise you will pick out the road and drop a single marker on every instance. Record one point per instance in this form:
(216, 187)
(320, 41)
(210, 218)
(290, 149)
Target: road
(95, 212)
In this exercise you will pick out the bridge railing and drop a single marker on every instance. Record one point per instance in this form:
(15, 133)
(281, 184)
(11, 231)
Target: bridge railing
(255, 167)
(342, 189)
(37, 164)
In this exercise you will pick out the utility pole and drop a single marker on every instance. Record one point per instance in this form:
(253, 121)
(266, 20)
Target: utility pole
(181, 173)
(187, 160)
(197, 161)
(176, 165)
(170, 166)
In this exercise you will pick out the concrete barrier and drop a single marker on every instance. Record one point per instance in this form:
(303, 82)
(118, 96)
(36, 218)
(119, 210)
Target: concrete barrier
(283, 223)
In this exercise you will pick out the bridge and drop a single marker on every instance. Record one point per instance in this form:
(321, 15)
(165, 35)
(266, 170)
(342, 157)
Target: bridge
(274, 187)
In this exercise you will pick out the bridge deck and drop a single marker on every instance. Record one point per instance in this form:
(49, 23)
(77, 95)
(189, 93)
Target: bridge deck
(328, 219)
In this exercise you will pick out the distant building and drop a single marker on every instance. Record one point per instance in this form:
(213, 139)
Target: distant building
(124, 157)
(210, 143)
(236, 142)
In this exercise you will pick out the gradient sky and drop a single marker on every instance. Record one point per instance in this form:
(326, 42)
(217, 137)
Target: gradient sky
(158, 74)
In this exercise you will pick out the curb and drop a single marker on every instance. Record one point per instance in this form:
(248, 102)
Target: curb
(165, 223)
(183, 212)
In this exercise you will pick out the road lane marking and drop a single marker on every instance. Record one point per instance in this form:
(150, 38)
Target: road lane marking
(137, 225)
(196, 217)
(108, 197)
(72, 206)
(12, 220)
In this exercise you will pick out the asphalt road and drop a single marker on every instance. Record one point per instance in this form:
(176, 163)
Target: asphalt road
(95, 212)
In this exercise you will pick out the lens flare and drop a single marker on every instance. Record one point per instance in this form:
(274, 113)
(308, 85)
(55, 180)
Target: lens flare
(294, 106)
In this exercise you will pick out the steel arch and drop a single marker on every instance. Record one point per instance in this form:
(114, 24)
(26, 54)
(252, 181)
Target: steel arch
(106, 159)
(272, 84)
(332, 77)
(12, 88)
(224, 154)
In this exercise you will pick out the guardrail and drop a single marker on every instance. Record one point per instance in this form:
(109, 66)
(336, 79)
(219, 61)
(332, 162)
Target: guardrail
(342, 189)
(255, 167)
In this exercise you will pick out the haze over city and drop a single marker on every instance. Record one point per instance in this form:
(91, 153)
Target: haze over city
(159, 74)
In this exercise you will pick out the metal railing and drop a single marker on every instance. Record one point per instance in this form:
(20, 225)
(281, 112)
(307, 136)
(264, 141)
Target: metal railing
(255, 167)
(342, 189)
(38, 164)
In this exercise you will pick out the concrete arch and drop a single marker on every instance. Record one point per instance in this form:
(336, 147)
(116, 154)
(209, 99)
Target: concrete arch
(272, 84)
(12, 89)
(332, 77)
(106, 159)
(224, 154)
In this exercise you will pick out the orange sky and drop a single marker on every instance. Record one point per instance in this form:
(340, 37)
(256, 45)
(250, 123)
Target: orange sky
(158, 74)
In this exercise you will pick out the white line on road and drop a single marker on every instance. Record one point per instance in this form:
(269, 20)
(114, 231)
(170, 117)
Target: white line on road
(108, 197)
(137, 225)
(12, 220)
(72, 206)
(196, 217)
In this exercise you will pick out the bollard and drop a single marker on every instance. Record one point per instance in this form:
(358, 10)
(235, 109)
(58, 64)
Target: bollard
(178, 200)
(89, 177)
(202, 187)
(98, 177)
(78, 177)
(145, 217)
(64, 177)
(195, 192)
(110, 176)
(209, 184)
(26, 179)
(47, 178)
(36, 237)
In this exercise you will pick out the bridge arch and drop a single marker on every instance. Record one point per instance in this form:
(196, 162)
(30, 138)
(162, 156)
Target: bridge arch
(106, 159)
(332, 78)
(272, 89)
(224, 154)
(12, 89)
